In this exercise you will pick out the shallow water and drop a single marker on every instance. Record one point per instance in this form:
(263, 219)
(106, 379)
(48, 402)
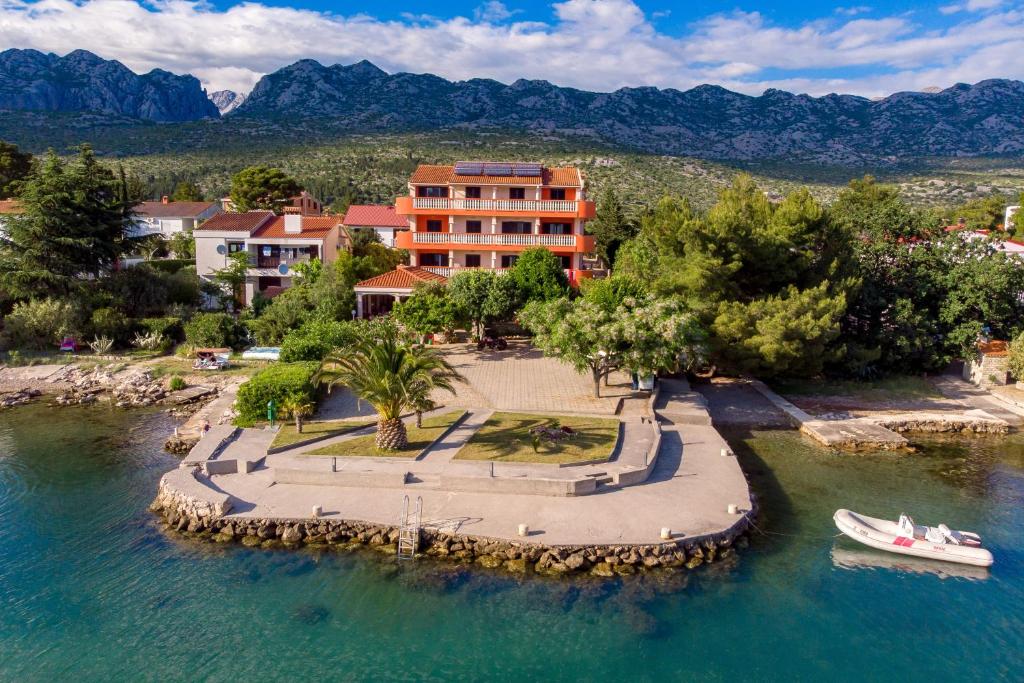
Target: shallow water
(91, 588)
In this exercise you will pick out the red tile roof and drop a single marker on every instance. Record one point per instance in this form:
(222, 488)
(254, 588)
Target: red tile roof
(10, 206)
(444, 175)
(237, 222)
(402, 277)
(173, 209)
(313, 227)
(994, 348)
(373, 215)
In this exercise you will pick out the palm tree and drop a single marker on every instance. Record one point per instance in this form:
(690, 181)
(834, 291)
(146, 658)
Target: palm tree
(393, 376)
(297, 407)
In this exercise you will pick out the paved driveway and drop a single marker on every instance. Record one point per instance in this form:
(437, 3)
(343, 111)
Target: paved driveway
(521, 378)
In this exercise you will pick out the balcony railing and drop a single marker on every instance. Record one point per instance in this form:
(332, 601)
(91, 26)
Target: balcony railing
(275, 261)
(574, 275)
(498, 205)
(495, 239)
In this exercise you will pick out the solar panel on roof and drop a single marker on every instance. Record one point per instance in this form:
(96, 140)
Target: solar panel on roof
(497, 169)
(469, 168)
(527, 170)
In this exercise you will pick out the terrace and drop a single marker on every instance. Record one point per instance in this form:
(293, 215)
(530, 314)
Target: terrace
(510, 241)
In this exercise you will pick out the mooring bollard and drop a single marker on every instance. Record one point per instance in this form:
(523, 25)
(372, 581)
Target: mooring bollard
(334, 464)
(732, 509)
(318, 510)
(492, 470)
(524, 530)
(725, 453)
(666, 533)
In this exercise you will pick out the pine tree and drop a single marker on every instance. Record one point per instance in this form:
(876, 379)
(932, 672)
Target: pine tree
(73, 225)
(14, 166)
(610, 227)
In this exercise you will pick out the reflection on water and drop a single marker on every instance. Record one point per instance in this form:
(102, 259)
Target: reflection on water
(92, 588)
(868, 558)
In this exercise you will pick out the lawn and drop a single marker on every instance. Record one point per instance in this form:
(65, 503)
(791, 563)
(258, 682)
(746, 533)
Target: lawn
(898, 387)
(505, 437)
(288, 436)
(419, 439)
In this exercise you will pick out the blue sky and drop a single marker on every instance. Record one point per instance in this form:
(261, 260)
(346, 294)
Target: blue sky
(869, 49)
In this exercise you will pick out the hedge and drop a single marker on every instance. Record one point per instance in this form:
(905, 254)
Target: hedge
(170, 265)
(275, 382)
(315, 339)
(214, 329)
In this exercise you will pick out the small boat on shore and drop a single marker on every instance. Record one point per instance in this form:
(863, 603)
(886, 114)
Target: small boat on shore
(906, 538)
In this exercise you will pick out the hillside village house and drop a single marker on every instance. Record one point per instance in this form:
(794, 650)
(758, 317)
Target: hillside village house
(482, 215)
(167, 218)
(381, 219)
(274, 244)
(304, 203)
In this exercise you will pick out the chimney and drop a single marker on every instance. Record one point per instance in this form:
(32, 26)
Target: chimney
(165, 200)
(292, 220)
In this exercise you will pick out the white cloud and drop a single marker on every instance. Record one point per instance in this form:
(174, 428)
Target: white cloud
(494, 11)
(852, 11)
(591, 44)
(971, 6)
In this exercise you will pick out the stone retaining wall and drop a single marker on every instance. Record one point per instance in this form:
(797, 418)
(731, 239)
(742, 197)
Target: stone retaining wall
(203, 518)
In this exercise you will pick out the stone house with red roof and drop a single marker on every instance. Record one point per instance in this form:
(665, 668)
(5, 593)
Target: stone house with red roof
(380, 218)
(377, 295)
(167, 218)
(274, 244)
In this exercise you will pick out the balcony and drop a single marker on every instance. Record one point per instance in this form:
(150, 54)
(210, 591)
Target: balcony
(409, 206)
(574, 275)
(270, 266)
(468, 241)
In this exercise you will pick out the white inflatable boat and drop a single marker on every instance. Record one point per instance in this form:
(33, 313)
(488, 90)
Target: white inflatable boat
(906, 538)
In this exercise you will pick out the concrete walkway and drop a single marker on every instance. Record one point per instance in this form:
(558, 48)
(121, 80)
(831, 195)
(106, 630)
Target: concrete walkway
(688, 490)
(954, 387)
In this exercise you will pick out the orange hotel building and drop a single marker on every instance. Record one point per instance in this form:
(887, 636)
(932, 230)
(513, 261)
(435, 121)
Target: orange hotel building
(482, 215)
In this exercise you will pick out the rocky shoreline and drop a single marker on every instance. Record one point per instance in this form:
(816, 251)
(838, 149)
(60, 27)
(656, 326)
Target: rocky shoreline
(205, 520)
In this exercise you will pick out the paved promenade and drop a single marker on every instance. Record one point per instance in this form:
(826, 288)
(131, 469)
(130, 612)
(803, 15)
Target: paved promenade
(688, 490)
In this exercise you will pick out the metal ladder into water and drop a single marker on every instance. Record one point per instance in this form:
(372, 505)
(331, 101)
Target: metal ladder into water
(409, 529)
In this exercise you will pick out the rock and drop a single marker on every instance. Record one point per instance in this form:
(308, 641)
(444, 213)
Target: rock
(576, 562)
(651, 562)
(223, 538)
(694, 562)
(291, 534)
(602, 569)
(624, 569)
(251, 541)
(271, 544)
(387, 548)
(518, 566)
(489, 561)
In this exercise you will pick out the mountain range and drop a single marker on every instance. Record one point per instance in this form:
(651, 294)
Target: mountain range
(81, 81)
(706, 121)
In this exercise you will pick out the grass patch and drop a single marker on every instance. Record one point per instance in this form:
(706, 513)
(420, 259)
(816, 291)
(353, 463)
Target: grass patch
(288, 436)
(898, 387)
(505, 437)
(172, 366)
(419, 439)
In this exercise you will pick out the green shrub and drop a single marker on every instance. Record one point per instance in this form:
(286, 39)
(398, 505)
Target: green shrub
(214, 329)
(170, 265)
(183, 287)
(39, 324)
(177, 383)
(169, 326)
(110, 323)
(277, 383)
(316, 339)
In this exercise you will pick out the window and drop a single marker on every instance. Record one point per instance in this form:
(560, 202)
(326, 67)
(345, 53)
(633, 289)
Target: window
(508, 260)
(431, 191)
(517, 227)
(433, 259)
(472, 193)
(235, 247)
(558, 193)
(472, 226)
(433, 226)
(472, 260)
(566, 261)
(517, 193)
(556, 228)
(265, 282)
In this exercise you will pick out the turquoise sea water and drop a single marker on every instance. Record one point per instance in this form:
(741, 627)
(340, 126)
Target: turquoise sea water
(91, 588)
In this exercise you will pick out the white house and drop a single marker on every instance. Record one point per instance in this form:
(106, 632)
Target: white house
(274, 244)
(379, 218)
(1008, 218)
(167, 218)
